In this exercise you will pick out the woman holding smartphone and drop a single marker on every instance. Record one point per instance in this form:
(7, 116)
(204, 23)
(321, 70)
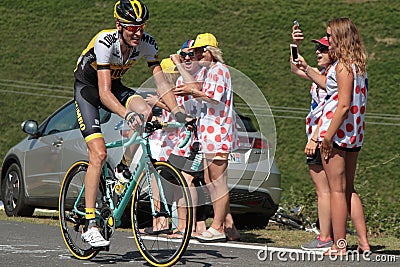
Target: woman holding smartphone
(342, 126)
(314, 161)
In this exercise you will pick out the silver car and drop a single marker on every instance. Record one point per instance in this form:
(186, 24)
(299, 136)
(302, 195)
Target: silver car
(32, 170)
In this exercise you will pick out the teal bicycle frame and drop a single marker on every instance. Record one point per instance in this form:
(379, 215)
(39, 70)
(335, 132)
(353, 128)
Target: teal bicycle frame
(145, 163)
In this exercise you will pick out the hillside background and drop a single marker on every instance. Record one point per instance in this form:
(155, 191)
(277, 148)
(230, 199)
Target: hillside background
(42, 39)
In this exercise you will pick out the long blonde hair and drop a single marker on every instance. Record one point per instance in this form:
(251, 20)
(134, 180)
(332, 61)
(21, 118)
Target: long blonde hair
(216, 53)
(349, 46)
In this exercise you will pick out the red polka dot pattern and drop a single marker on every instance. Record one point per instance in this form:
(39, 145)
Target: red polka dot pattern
(351, 131)
(340, 133)
(217, 123)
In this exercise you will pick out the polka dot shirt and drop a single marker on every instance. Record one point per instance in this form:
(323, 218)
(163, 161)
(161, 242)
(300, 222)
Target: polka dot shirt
(351, 132)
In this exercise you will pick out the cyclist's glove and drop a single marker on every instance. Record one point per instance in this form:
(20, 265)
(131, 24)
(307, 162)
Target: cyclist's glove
(130, 118)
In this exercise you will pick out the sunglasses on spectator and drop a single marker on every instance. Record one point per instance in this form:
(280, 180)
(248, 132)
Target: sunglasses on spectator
(184, 54)
(322, 48)
(133, 28)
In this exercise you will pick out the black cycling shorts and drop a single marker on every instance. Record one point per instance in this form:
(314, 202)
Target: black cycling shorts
(87, 102)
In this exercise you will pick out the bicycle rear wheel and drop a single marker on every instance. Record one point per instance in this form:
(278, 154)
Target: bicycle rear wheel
(162, 249)
(72, 211)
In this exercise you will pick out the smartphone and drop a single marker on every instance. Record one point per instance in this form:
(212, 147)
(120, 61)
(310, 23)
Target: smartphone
(294, 53)
(296, 23)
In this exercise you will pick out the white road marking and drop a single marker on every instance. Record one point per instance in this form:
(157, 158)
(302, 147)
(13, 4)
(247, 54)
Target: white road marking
(233, 245)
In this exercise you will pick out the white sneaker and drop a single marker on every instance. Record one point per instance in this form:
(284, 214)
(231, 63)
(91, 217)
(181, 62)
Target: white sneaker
(94, 237)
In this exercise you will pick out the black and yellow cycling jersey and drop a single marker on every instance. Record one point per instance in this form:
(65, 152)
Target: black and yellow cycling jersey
(104, 52)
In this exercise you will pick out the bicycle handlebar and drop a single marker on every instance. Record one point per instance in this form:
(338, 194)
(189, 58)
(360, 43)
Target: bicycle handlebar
(150, 127)
(190, 127)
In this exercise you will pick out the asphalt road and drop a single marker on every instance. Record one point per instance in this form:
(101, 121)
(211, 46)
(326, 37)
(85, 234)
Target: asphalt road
(24, 244)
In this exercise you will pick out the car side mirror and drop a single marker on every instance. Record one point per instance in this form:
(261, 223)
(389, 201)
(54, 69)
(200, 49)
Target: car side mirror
(30, 127)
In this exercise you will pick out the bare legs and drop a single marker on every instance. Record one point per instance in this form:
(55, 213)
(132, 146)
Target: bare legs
(340, 170)
(97, 155)
(335, 171)
(231, 232)
(321, 184)
(355, 207)
(181, 209)
(216, 181)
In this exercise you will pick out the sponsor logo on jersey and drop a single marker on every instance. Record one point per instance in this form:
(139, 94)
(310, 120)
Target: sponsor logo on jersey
(109, 39)
(150, 40)
(117, 71)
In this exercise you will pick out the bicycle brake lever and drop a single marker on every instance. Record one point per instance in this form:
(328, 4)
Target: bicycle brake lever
(192, 126)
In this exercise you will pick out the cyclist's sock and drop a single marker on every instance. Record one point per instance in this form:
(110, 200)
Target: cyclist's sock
(90, 216)
(90, 213)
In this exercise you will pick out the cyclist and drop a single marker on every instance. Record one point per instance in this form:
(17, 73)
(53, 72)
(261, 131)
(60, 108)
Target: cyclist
(98, 84)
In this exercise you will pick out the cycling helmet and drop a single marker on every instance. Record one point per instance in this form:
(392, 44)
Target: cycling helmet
(131, 12)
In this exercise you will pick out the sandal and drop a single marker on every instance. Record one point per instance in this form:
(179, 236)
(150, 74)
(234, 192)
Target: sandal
(210, 236)
(150, 231)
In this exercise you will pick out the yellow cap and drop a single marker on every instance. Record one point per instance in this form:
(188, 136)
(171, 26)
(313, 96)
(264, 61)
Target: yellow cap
(205, 39)
(168, 66)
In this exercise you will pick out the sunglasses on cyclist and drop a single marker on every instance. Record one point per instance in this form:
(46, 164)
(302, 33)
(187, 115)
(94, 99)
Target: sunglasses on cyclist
(184, 54)
(321, 48)
(133, 28)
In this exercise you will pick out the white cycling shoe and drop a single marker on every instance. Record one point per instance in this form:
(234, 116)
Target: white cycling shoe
(94, 238)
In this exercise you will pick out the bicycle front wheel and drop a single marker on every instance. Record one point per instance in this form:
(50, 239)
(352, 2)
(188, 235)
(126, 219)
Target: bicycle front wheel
(162, 199)
(72, 211)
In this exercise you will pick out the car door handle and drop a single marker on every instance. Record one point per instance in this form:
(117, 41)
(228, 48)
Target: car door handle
(58, 143)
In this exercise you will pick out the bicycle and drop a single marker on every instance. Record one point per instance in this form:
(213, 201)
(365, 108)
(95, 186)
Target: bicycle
(153, 187)
(295, 220)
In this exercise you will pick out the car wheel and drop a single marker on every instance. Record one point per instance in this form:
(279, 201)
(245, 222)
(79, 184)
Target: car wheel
(13, 193)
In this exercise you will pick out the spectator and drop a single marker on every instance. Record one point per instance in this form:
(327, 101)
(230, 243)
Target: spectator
(324, 240)
(342, 128)
(217, 132)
